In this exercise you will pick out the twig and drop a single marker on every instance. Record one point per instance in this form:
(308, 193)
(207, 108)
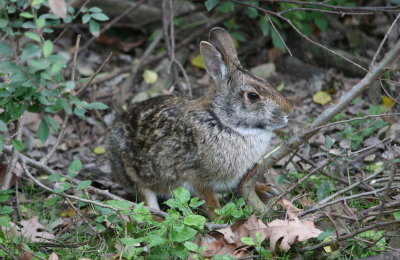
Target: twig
(77, 43)
(14, 158)
(350, 235)
(94, 75)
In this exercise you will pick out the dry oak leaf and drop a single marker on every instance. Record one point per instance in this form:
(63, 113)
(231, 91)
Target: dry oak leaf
(32, 230)
(290, 231)
(58, 7)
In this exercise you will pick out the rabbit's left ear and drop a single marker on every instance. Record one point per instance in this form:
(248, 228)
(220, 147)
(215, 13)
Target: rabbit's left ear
(225, 45)
(213, 61)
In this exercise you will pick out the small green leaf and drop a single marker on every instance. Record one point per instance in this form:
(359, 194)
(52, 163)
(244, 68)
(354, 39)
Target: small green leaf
(5, 222)
(32, 36)
(321, 23)
(180, 233)
(210, 4)
(79, 111)
(277, 41)
(54, 177)
(265, 26)
(26, 15)
(95, 9)
(43, 131)
(37, 2)
(3, 126)
(47, 48)
(74, 168)
(99, 16)
(323, 190)
(94, 28)
(119, 204)
(18, 145)
(96, 105)
(84, 184)
(329, 142)
(2, 142)
(191, 246)
(3, 23)
(86, 18)
(396, 215)
(182, 195)
(40, 23)
(247, 241)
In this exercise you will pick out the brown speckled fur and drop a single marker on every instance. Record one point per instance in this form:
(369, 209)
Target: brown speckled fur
(205, 145)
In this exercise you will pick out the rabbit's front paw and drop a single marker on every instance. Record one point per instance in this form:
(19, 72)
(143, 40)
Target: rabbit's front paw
(266, 191)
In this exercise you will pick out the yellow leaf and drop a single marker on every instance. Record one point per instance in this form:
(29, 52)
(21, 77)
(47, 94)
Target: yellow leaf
(387, 101)
(198, 62)
(321, 97)
(150, 76)
(99, 150)
(68, 212)
(328, 249)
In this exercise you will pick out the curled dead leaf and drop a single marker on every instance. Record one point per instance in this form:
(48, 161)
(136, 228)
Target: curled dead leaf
(58, 7)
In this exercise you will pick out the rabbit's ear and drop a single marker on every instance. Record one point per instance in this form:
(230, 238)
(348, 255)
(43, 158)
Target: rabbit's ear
(224, 44)
(213, 61)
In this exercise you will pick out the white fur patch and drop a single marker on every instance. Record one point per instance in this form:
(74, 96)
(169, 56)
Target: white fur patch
(151, 199)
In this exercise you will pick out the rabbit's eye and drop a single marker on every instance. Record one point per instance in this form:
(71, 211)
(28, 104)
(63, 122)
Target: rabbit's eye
(252, 96)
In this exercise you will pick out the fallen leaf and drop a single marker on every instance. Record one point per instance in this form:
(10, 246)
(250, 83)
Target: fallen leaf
(321, 97)
(197, 61)
(23, 253)
(387, 101)
(150, 76)
(99, 150)
(53, 256)
(58, 7)
(290, 231)
(31, 229)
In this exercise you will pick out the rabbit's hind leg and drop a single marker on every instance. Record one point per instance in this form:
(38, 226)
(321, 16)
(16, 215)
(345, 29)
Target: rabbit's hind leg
(211, 200)
(150, 198)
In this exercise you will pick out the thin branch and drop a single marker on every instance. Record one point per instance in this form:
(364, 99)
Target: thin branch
(94, 75)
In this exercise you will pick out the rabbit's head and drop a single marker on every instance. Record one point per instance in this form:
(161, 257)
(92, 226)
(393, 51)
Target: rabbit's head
(241, 99)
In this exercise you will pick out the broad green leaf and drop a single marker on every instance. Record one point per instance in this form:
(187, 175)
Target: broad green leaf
(37, 2)
(30, 51)
(182, 195)
(51, 122)
(99, 16)
(47, 48)
(26, 15)
(210, 4)
(195, 220)
(40, 23)
(191, 246)
(74, 168)
(180, 233)
(247, 241)
(6, 49)
(321, 23)
(43, 130)
(323, 190)
(277, 41)
(3, 22)
(95, 9)
(18, 145)
(5, 222)
(84, 184)
(79, 111)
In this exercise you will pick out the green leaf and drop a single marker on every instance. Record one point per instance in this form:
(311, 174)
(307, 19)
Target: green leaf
(6, 49)
(47, 48)
(32, 36)
(74, 168)
(210, 4)
(277, 41)
(225, 7)
(325, 234)
(52, 201)
(3, 23)
(86, 18)
(30, 51)
(180, 233)
(79, 111)
(96, 105)
(40, 23)
(265, 26)
(182, 195)
(329, 142)
(84, 184)
(99, 16)
(26, 15)
(5, 222)
(3, 126)
(119, 204)
(321, 23)
(2, 142)
(252, 12)
(51, 122)
(247, 241)
(94, 28)
(129, 241)
(396, 215)
(95, 9)
(191, 246)
(18, 145)
(37, 2)
(43, 130)
(54, 177)
(195, 220)
(323, 190)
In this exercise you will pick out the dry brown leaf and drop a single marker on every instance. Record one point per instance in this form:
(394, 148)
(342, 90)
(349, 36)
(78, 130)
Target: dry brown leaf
(31, 230)
(291, 209)
(24, 254)
(58, 7)
(290, 231)
(53, 256)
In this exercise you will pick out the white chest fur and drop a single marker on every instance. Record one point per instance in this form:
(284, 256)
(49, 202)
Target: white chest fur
(230, 156)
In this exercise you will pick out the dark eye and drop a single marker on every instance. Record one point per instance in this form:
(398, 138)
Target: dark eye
(252, 96)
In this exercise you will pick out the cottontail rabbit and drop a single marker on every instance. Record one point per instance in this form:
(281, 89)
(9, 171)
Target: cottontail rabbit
(205, 145)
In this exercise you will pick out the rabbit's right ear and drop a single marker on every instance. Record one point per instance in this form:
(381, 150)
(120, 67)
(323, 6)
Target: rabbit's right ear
(213, 61)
